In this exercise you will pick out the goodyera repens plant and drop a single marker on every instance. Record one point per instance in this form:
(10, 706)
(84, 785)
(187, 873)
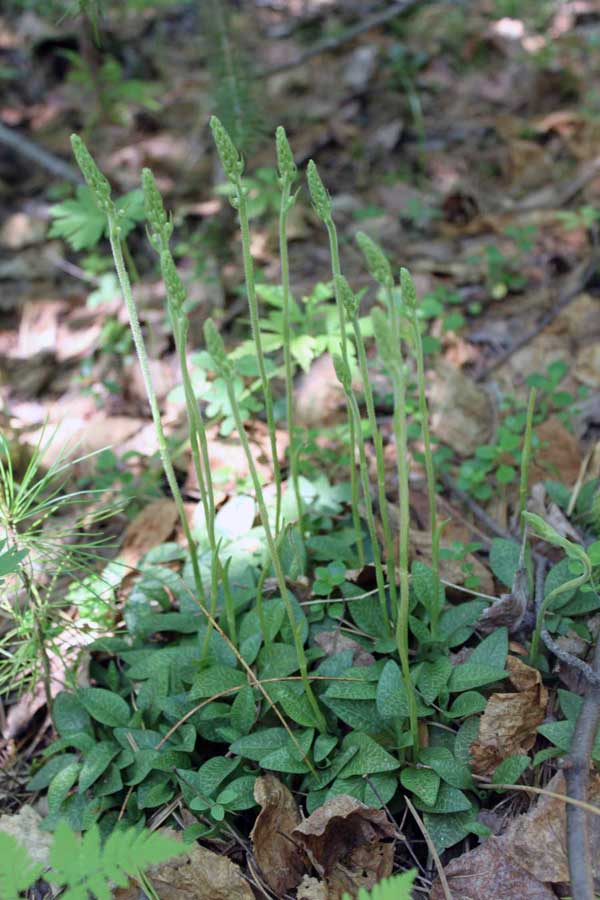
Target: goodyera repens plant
(397, 333)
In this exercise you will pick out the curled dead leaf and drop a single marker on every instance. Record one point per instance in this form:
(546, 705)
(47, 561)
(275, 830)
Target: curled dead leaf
(333, 642)
(509, 722)
(349, 844)
(278, 854)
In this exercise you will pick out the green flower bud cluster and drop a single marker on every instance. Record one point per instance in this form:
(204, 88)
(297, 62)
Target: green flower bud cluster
(285, 158)
(94, 178)
(385, 338)
(318, 193)
(343, 372)
(376, 260)
(216, 348)
(349, 299)
(407, 285)
(158, 219)
(233, 166)
(176, 293)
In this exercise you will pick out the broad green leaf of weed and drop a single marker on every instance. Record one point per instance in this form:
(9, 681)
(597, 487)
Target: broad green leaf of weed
(423, 783)
(104, 706)
(510, 769)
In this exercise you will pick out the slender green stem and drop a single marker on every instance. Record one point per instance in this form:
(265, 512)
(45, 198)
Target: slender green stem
(526, 455)
(287, 352)
(138, 340)
(400, 430)
(378, 442)
(255, 325)
(279, 574)
(430, 473)
(134, 275)
(366, 489)
(354, 437)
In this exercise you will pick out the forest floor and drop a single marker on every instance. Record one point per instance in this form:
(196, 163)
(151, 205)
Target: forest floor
(463, 138)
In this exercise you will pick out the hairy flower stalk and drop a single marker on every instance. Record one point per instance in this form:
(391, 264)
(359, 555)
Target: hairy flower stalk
(233, 167)
(322, 205)
(351, 304)
(101, 191)
(381, 272)
(391, 355)
(345, 379)
(216, 348)
(409, 299)
(526, 455)
(287, 175)
(160, 231)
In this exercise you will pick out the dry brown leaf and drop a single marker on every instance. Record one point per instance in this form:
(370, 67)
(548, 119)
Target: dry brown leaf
(281, 860)
(333, 642)
(559, 454)
(312, 889)
(151, 527)
(199, 874)
(537, 839)
(462, 413)
(510, 720)
(349, 843)
(486, 873)
(319, 397)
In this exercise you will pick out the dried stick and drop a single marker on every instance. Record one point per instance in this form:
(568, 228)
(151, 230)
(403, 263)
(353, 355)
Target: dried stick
(24, 146)
(332, 43)
(577, 777)
(576, 283)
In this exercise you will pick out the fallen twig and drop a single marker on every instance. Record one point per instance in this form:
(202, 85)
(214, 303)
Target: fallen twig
(332, 43)
(24, 146)
(577, 282)
(431, 847)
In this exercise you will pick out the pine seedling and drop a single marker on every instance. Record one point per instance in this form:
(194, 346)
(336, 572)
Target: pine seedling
(287, 175)
(345, 379)
(391, 354)
(216, 348)
(233, 167)
(409, 299)
(322, 205)
(351, 305)
(101, 189)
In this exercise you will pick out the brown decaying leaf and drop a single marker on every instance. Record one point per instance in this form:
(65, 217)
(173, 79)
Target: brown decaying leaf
(333, 642)
(151, 527)
(486, 873)
(558, 456)
(509, 722)
(349, 844)
(462, 413)
(200, 874)
(537, 839)
(312, 889)
(279, 856)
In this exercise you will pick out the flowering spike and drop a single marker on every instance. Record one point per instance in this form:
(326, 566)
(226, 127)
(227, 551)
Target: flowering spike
(384, 337)
(343, 372)
(216, 348)
(175, 290)
(233, 166)
(155, 210)
(285, 158)
(94, 178)
(347, 296)
(376, 260)
(318, 193)
(409, 294)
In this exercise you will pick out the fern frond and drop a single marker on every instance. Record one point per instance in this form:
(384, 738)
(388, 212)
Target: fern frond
(82, 866)
(17, 870)
(397, 888)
